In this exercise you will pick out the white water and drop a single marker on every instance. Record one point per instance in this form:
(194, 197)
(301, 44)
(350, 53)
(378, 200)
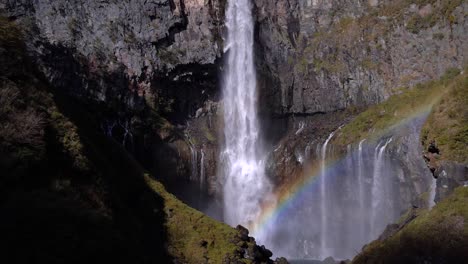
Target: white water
(202, 169)
(361, 190)
(432, 193)
(194, 163)
(242, 159)
(378, 191)
(324, 201)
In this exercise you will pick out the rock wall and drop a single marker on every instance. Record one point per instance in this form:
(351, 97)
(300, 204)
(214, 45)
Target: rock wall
(144, 68)
(323, 55)
(129, 49)
(151, 69)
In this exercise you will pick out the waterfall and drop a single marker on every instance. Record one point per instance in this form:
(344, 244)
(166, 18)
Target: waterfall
(378, 189)
(202, 169)
(361, 190)
(194, 163)
(324, 232)
(432, 193)
(307, 153)
(242, 158)
(301, 128)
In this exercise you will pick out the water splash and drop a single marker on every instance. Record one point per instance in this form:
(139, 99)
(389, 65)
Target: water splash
(242, 159)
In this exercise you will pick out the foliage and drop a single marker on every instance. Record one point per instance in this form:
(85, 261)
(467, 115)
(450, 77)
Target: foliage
(22, 130)
(447, 124)
(67, 135)
(378, 118)
(194, 237)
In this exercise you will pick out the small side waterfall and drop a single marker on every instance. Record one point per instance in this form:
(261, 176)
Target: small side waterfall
(202, 169)
(324, 200)
(194, 163)
(432, 193)
(379, 195)
(246, 186)
(361, 190)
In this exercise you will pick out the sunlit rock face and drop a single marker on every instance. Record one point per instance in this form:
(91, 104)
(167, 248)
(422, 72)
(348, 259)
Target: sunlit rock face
(320, 56)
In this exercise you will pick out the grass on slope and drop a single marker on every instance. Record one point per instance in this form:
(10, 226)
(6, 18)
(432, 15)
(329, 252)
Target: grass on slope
(378, 118)
(447, 124)
(194, 237)
(436, 236)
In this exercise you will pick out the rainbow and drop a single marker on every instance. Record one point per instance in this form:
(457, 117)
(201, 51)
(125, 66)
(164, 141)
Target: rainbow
(293, 195)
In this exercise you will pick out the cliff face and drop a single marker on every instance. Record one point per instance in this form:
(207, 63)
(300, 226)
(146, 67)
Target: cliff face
(150, 70)
(322, 55)
(127, 50)
(141, 66)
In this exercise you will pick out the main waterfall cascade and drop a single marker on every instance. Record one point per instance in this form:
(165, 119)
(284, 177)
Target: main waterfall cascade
(246, 186)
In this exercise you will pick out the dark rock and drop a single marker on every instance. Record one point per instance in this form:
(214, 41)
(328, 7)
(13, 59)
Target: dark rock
(433, 148)
(203, 243)
(243, 233)
(281, 261)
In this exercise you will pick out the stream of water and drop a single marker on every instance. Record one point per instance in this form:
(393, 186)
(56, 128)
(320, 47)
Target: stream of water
(242, 159)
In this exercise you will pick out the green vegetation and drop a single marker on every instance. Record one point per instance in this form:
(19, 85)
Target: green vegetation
(447, 124)
(67, 135)
(378, 118)
(436, 236)
(192, 236)
(10, 36)
(440, 9)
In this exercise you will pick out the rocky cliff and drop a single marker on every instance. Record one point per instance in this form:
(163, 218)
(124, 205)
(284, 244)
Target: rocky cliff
(319, 56)
(147, 64)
